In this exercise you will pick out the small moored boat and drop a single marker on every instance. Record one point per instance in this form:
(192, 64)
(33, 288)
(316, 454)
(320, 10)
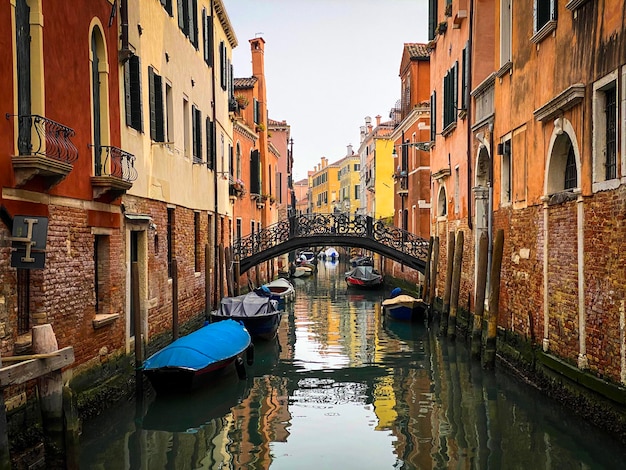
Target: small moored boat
(256, 310)
(282, 290)
(191, 360)
(364, 276)
(404, 307)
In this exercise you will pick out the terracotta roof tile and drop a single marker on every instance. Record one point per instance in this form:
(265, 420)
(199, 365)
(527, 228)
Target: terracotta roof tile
(416, 50)
(247, 82)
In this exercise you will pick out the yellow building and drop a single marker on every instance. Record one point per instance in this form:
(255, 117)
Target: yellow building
(377, 167)
(349, 182)
(324, 183)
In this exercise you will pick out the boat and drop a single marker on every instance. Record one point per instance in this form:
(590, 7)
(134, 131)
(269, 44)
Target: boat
(364, 276)
(404, 307)
(190, 361)
(301, 271)
(256, 310)
(330, 254)
(361, 261)
(281, 290)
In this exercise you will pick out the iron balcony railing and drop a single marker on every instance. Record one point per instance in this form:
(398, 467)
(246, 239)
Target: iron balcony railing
(41, 136)
(113, 161)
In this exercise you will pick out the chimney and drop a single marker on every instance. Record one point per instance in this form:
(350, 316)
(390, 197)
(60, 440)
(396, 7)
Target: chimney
(378, 120)
(324, 162)
(350, 151)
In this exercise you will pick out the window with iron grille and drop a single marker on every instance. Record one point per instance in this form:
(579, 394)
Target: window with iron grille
(132, 93)
(611, 134)
(571, 180)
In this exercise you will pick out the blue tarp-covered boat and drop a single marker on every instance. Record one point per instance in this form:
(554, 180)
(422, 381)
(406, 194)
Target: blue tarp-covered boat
(189, 361)
(404, 307)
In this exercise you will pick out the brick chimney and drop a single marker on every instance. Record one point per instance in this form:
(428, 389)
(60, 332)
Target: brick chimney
(378, 120)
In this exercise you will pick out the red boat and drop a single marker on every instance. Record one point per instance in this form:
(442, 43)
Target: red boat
(364, 276)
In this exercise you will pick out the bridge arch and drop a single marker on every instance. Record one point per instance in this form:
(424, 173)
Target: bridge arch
(336, 229)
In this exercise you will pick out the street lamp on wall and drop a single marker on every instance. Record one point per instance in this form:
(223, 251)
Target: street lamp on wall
(424, 146)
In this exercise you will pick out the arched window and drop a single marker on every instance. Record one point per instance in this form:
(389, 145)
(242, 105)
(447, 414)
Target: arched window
(442, 204)
(563, 167)
(100, 98)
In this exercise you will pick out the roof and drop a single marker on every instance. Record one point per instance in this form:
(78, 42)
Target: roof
(247, 82)
(417, 50)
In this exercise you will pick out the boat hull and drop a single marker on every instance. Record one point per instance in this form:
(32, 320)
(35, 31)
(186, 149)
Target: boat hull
(258, 313)
(364, 277)
(192, 360)
(405, 308)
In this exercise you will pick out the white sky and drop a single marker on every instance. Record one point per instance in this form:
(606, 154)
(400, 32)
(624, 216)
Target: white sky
(328, 64)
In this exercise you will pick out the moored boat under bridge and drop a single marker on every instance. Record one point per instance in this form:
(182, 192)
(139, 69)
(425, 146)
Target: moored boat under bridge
(335, 229)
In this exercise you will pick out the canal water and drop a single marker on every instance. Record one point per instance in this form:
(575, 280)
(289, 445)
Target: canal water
(343, 388)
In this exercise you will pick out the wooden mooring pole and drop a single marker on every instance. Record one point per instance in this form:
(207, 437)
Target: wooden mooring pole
(426, 286)
(136, 301)
(434, 269)
(50, 388)
(479, 301)
(456, 284)
(489, 356)
(443, 322)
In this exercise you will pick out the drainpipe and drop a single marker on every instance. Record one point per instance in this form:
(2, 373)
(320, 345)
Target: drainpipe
(214, 145)
(468, 101)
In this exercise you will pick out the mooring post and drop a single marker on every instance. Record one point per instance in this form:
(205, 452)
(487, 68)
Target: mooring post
(229, 271)
(207, 282)
(434, 269)
(174, 300)
(426, 286)
(5, 455)
(236, 277)
(50, 388)
(443, 324)
(222, 271)
(489, 358)
(479, 303)
(136, 302)
(456, 284)
(72, 430)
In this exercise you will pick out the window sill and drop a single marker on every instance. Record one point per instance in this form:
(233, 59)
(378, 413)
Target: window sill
(544, 32)
(506, 68)
(606, 185)
(448, 129)
(104, 319)
(575, 4)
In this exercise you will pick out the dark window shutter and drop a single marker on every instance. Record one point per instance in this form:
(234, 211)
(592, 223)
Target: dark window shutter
(128, 94)
(205, 42)
(158, 109)
(194, 132)
(433, 116)
(152, 104)
(194, 26)
(210, 42)
(255, 173)
(181, 14)
(135, 94)
(432, 18)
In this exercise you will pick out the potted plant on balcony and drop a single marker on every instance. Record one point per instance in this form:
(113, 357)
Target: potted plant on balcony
(242, 101)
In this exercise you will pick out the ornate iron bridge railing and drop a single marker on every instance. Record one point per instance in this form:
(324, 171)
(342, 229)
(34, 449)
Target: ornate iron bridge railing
(333, 227)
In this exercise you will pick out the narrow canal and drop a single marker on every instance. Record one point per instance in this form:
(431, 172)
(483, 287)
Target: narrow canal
(342, 388)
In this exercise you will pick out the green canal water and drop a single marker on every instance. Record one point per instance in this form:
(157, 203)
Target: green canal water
(344, 388)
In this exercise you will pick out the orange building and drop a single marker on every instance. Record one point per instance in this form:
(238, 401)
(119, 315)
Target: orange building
(528, 136)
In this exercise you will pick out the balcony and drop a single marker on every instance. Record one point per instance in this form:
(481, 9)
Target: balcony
(45, 150)
(402, 180)
(114, 173)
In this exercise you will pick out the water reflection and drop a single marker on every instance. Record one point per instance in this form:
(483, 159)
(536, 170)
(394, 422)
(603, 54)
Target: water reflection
(343, 387)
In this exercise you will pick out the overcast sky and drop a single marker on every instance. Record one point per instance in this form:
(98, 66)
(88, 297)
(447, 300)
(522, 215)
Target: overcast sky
(328, 65)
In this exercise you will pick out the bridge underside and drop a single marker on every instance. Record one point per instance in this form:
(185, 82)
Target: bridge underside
(326, 240)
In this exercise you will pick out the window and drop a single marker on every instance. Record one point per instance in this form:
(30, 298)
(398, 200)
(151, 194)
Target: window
(157, 125)
(207, 35)
(450, 92)
(605, 129)
(132, 93)
(505, 150)
(197, 134)
(442, 203)
(465, 78)
(188, 19)
(255, 172)
(170, 240)
(505, 32)
(238, 167)
(101, 263)
(544, 12)
(357, 191)
(223, 66)
(198, 242)
(255, 110)
(186, 128)
(169, 111)
(210, 144)
(570, 169)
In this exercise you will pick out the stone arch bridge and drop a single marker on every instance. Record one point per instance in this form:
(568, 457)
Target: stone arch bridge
(336, 229)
